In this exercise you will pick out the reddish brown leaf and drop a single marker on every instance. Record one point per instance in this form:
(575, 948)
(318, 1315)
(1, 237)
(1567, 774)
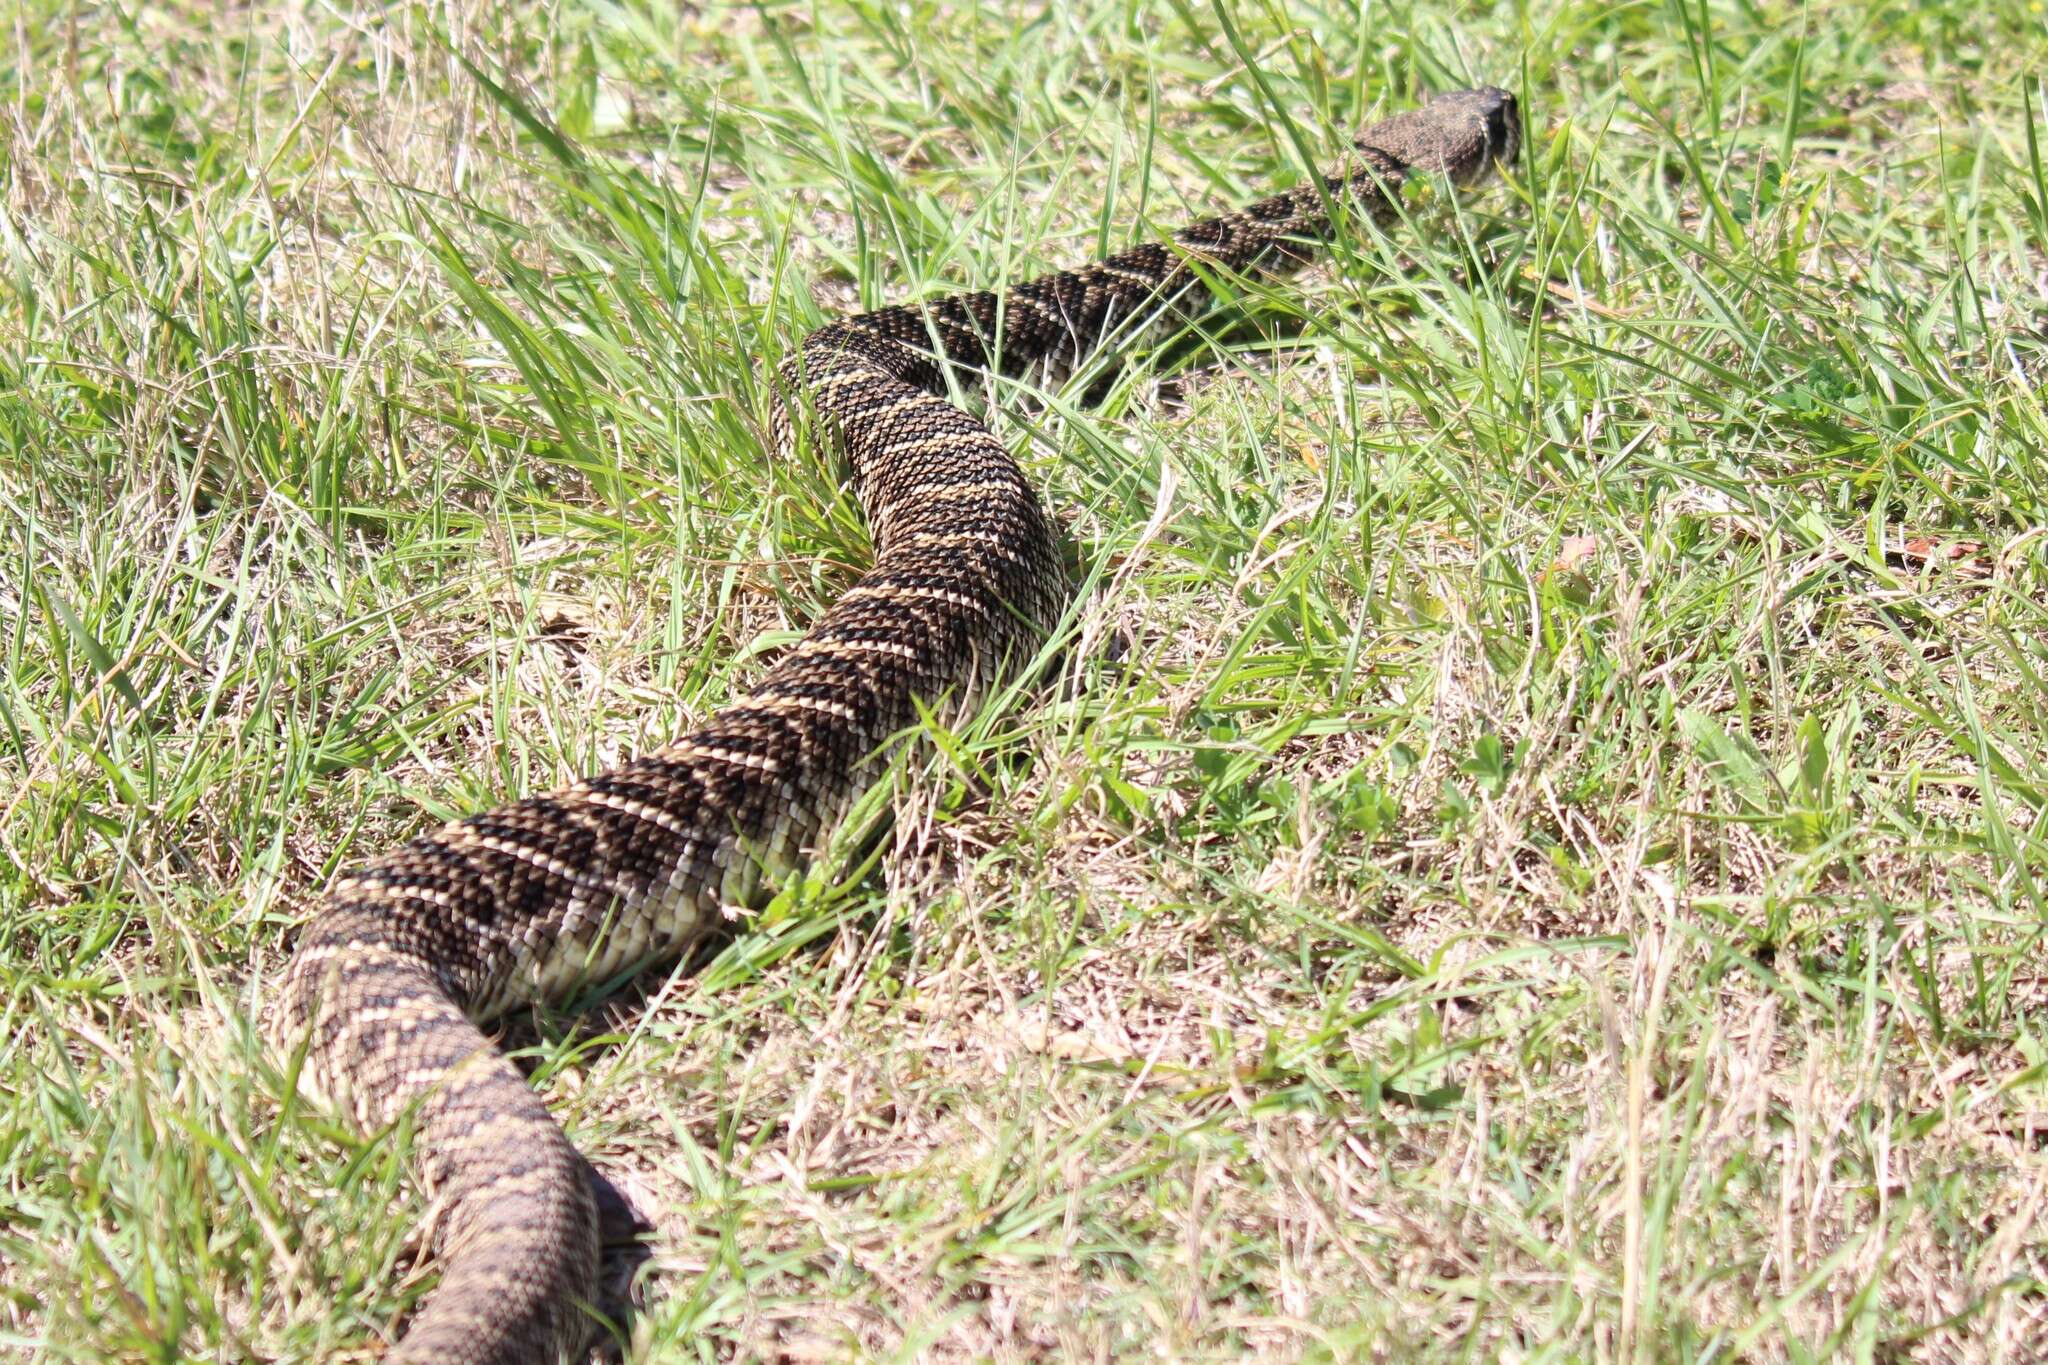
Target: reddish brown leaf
(1964, 555)
(1574, 551)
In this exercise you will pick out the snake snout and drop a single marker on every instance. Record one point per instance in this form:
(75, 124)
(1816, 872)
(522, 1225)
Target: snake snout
(1502, 117)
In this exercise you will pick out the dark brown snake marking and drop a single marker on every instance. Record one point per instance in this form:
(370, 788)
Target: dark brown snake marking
(539, 898)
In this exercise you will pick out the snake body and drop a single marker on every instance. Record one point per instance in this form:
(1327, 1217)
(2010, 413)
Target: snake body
(541, 898)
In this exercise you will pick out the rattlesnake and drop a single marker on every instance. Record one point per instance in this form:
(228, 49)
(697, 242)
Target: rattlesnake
(537, 899)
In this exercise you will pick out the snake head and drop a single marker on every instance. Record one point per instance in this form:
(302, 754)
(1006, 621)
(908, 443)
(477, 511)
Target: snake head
(1460, 134)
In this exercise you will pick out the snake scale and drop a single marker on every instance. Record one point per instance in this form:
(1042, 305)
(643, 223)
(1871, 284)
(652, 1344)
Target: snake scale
(541, 898)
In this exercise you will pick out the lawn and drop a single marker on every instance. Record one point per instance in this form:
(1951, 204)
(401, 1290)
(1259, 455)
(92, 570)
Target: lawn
(1535, 847)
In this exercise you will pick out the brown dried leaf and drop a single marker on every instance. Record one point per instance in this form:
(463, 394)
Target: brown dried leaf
(1575, 551)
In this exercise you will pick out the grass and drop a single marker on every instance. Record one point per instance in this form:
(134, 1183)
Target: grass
(1539, 849)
